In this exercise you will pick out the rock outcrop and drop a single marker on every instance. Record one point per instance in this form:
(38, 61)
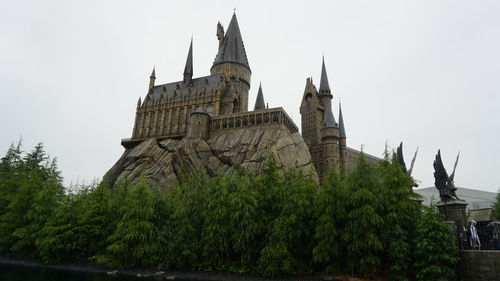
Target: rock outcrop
(161, 163)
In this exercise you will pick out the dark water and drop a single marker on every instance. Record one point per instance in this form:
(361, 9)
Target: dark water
(9, 272)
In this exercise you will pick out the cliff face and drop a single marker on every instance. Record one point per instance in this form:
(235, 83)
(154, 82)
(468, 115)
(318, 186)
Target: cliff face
(161, 162)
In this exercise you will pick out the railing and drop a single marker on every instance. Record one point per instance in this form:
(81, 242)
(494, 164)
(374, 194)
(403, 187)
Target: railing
(487, 238)
(253, 119)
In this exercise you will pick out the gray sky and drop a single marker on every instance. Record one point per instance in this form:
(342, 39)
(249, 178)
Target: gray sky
(423, 72)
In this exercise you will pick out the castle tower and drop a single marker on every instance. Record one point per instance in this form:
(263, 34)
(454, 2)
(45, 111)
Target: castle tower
(231, 60)
(188, 69)
(199, 121)
(311, 112)
(259, 101)
(330, 131)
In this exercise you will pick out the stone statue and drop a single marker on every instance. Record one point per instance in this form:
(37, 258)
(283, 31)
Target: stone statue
(401, 160)
(442, 181)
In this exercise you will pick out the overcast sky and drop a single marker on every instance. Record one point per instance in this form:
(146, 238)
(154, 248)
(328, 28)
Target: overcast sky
(423, 72)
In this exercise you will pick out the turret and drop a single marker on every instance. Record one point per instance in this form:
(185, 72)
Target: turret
(188, 69)
(259, 101)
(199, 121)
(325, 97)
(152, 79)
(231, 60)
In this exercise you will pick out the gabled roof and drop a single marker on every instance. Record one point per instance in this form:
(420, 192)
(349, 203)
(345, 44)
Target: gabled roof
(259, 102)
(232, 48)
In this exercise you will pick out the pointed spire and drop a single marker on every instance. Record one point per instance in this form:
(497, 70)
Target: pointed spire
(153, 75)
(232, 49)
(188, 69)
(341, 123)
(259, 102)
(324, 86)
(152, 79)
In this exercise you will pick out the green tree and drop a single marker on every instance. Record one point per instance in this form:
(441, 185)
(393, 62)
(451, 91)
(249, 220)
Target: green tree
(362, 230)
(496, 205)
(288, 242)
(399, 210)
(37, 193)
(436, 252)
(331, 212)
(134, 243)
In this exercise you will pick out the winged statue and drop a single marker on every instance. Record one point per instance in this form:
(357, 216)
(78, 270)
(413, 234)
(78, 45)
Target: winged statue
(401, 160)
(444, 183)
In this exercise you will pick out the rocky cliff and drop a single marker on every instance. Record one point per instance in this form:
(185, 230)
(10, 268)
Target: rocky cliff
(161, 162)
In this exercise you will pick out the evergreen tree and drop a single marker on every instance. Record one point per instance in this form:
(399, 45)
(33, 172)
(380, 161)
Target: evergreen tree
(399, 212)
(183, 232)
(59, 239)
(38, 192)
(436, 252)
(288, 242)
(329, 251)
(133, 243)
(362, 231)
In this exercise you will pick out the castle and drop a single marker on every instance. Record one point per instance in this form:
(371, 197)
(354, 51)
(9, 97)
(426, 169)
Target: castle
(198, 107)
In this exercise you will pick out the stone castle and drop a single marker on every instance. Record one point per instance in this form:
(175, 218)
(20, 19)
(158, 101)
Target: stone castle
(214, 110)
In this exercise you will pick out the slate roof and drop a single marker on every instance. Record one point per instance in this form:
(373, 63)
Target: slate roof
(329, 120)
(324, 86)
(177, 90)
(188, 69)
(232, 48)
(259, 102)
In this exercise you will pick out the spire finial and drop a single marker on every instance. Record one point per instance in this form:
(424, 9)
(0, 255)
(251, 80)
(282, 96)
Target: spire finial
(153, 75)
(188, 69)
(341, 123)
(259, 102)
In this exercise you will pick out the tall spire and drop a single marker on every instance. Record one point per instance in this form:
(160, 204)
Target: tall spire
(231, 49)
(324, 86)
(152, 79)
(153, 75)
(259, 102)
(188, 69)
(341, 123)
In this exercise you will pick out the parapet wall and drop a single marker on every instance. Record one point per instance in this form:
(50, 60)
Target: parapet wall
(253, 119)
(257, 118)
(479, 265)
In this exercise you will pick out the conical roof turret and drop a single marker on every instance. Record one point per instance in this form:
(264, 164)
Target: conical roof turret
(232, 49)
(329, 120)
(259, 102)
(341, 123)
(324, 86)
(188, 69)
(153, 75)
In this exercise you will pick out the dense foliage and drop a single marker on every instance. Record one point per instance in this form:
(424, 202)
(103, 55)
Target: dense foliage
(366, 223)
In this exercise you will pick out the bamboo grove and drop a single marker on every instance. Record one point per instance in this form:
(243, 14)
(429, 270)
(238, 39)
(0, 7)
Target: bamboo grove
(366, 223)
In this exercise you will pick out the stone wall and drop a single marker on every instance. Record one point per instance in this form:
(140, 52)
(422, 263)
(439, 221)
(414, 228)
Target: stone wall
(479, 265)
